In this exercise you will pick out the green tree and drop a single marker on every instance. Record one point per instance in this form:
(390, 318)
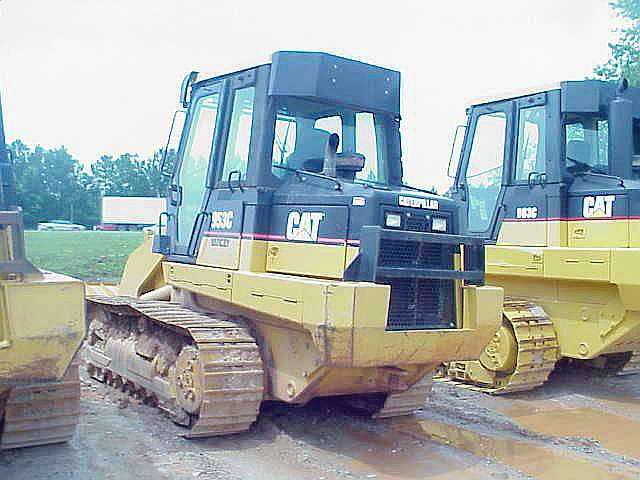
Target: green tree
(128, 175)
(51, 184)
(158, 182)
(625, 51)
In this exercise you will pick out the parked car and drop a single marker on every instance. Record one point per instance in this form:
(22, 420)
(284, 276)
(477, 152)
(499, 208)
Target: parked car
(106, 227)
(60, 225)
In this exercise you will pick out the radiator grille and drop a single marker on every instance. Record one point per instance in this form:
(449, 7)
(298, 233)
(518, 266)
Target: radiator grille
(405, 253)
(417, 224)
(420, 304)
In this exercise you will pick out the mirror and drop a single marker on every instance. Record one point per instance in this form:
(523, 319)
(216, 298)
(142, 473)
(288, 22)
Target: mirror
(170, 151)
(456, 151)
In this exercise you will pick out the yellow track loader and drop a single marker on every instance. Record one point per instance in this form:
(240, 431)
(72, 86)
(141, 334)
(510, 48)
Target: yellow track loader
(549, 178)
(292, 262)
(42, 325)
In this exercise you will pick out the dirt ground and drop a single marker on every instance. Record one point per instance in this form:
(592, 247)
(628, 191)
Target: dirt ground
(579, 425)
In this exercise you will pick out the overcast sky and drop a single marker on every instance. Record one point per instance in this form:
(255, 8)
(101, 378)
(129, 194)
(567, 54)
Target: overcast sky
(102, 76)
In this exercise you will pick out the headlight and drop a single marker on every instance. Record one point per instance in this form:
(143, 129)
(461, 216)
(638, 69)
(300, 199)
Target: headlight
(439, 224)
(393, 220)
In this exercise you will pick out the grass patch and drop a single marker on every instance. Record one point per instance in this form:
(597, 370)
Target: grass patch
(89, 256)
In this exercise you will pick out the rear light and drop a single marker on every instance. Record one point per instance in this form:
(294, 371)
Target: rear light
(393, 220)
(439, 224)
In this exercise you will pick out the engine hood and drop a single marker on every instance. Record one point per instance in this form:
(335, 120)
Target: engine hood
(368, 205)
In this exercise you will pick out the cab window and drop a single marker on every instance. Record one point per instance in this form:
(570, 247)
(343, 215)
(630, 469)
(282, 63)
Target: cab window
(531, 143)
(484, 169)
(236, 157)
(193, 168)
(284, 140)
(370, 142)
(331, 124)
(302, 130)
(587, 144)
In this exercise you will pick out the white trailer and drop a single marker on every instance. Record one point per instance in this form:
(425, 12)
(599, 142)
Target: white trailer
(130, 213)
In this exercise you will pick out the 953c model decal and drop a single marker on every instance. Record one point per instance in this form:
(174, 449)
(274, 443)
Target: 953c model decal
(222, 220)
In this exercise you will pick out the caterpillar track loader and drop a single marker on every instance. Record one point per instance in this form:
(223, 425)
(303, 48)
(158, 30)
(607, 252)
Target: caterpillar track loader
(42, 325)
(292, 262)
(550, 179)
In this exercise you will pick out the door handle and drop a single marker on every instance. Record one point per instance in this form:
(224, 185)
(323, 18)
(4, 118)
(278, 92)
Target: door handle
(536, 178)
(175, 195)
(462, 188)
(231, 174)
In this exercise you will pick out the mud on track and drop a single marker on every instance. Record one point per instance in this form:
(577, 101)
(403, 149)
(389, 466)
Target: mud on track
(577, 426)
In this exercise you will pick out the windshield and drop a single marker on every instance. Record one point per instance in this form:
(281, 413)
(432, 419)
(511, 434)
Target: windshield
(303, 128)
(587, 144)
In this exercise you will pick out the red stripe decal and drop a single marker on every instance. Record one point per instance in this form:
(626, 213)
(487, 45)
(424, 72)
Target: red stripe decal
(262, 236)
(222, 234)
(335, 241)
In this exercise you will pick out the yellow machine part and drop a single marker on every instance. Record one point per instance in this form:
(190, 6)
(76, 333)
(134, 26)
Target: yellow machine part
(591, 295)
(583, 274)
(143, 270)
(315, 337)
(521, 355)
(42, 325)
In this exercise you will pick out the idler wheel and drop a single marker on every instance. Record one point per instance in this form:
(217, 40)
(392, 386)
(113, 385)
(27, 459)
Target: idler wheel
(189, 380)
(501, 354)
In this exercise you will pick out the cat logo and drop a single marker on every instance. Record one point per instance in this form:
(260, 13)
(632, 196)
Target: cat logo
(600, 206)
(303, 226)
(222, 220)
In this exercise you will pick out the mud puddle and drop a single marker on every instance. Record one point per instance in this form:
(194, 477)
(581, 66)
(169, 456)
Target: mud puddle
(530, 458)
(614, 432)
(393, 456)
(351, 442)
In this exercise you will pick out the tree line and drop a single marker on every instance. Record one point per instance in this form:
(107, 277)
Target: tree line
(624, 52)
(52, 185)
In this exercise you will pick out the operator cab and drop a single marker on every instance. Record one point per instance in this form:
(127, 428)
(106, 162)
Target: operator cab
(536, 155)
(270, 131)
(294, 168)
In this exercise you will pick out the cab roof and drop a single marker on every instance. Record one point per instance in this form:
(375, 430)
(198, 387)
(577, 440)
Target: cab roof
(330, 79)
(577, 96)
